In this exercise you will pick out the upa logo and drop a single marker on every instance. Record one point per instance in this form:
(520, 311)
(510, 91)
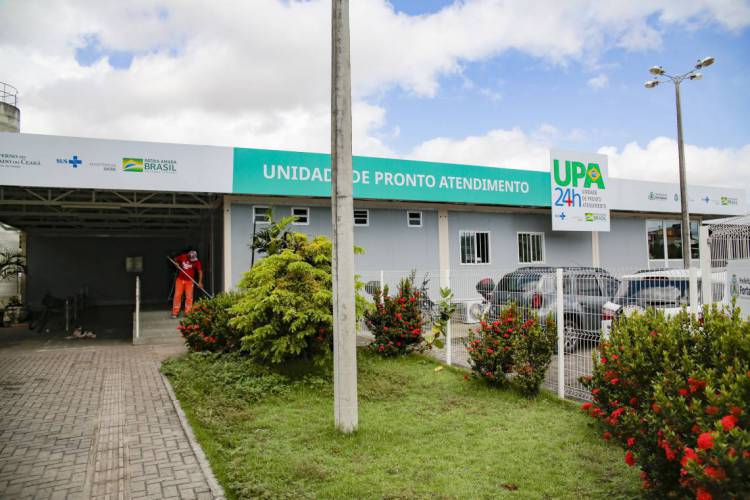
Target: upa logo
(573, 172)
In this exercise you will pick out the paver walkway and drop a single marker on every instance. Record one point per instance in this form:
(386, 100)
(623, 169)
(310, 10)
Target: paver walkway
(92, 422)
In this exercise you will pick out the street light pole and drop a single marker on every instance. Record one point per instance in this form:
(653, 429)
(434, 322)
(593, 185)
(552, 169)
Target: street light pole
(685, 232)
(677, 80)
(342, 213)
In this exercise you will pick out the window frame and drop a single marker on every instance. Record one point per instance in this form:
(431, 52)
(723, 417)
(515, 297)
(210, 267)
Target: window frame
(665, 241)
(408, 219)
(307, 216)
(543, 246)
(255, 214)
(474, 233)
(367, 215)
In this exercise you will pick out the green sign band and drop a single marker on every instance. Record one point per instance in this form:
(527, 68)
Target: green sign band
(262, 171)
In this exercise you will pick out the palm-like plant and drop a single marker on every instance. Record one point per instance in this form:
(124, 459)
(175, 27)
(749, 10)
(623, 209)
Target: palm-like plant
(12, 262)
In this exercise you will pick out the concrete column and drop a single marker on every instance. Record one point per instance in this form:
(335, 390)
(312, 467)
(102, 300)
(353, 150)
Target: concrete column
(342, 211)
(227, 245)
(595, 260)
(704, 249)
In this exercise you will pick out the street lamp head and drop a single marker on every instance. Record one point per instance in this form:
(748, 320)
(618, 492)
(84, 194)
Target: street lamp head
(696, 76)
(656, 70)
(651, 84)
(705, 62)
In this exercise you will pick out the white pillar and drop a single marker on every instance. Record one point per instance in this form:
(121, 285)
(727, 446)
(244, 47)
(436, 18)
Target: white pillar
(595, 261)
(704, 248)
(227, 250)
(342, 208)
(444, 260)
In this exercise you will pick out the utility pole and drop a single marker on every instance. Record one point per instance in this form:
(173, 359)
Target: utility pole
(342, 212)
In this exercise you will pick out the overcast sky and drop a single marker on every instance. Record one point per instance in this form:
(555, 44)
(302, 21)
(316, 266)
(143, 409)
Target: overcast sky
(484, 82)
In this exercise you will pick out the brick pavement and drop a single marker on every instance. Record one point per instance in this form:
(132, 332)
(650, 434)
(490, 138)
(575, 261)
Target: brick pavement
(92, 422)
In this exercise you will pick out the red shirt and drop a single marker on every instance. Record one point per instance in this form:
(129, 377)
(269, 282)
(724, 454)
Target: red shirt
(187, 266)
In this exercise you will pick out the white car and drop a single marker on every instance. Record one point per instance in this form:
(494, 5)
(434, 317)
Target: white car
(666, 290)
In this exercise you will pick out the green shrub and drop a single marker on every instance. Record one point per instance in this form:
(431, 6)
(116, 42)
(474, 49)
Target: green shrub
(285, 310)
(674, 393)
(396, 322)
(206, 327)
(513, 347)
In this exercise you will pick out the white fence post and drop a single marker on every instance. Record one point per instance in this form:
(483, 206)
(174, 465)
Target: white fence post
(382, 280)
(694, 307)
(704, 248)
(137, 306)
(560, 317)
(448, 333)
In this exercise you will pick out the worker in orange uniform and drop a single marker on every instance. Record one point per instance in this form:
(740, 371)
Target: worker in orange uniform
(187, 264)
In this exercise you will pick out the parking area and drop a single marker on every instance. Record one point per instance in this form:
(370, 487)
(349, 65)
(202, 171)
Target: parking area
(91, 419)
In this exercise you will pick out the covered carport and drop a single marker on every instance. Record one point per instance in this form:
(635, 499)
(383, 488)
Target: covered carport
(77, 241)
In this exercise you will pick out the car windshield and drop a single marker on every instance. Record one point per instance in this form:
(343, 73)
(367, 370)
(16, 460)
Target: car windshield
(653, 290)
(518, 282)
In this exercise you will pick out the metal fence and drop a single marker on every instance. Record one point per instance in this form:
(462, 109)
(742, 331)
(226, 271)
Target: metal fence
(584, 301)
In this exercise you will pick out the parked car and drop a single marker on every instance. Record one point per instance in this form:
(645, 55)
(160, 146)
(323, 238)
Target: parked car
(666, 290)
(533, 289)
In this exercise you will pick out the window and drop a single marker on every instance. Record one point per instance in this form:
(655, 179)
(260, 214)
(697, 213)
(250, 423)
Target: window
(414, 219)
(475, 247)
(261, 214)
(655, 230)
(302, 216)
(530, 248)
(586, 284)
(361, 217)
(667, 235)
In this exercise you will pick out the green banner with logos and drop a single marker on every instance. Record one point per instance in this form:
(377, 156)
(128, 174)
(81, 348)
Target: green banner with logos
(270, 172)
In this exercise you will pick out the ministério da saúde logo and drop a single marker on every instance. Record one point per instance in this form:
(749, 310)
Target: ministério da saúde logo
(132, 164)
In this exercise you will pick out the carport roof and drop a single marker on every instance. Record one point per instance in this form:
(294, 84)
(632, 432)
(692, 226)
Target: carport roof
(104, 212)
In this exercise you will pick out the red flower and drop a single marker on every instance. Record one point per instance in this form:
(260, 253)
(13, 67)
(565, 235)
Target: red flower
(381, 347)
(633, 401)
(653, 333)
(732, 452)
(712, 410)
(684, 392)
(614, 381)
(668, 452)
(715, 473)
(695, 429)
(701, 494)
(489, 351)
(595, 391)
(615, 357)
(729, 422)
(603, 360)
(585, 406)
(631, 442)
(607, 436)
(629, 459)
(656, 408)
(706, 441)
(466, 376)
(736, 411)
(689, 456)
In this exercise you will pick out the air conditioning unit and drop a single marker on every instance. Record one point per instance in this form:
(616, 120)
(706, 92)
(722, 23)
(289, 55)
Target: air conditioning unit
(470, 310)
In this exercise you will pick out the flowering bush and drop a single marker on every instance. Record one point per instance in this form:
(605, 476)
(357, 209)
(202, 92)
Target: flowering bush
(206, 326)
(396, 322)
(512, 344)
(674, 393)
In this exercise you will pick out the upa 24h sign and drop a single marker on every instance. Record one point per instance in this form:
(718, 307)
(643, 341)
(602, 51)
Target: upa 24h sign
(579, 183)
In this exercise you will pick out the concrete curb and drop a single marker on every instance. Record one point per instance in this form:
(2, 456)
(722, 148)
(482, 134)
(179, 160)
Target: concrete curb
(216, 490)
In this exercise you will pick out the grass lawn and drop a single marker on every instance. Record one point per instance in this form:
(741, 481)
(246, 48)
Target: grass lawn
(422, 434)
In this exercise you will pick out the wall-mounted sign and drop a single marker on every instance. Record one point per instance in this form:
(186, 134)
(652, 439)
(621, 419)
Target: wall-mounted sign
(579, 185)
(71, 162)
(261, 171)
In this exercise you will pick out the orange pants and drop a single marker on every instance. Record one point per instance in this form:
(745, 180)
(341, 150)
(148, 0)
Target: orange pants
(181, 286)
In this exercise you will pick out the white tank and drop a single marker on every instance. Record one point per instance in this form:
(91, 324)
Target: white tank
(10, 115)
